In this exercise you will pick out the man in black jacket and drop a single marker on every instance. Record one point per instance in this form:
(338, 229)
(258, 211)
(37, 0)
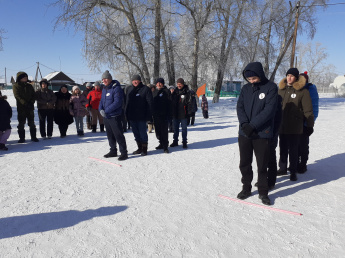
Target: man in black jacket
(256, 108)
(181, 104)
(161, 113)
(139, 111)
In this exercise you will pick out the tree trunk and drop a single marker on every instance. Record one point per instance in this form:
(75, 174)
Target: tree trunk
(195, 56)
(172, 77)
(157, 46)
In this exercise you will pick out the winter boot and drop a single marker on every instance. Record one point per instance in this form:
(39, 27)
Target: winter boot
(301, 169)
(265, 200)
(166, 150)
(94, 128)
(293, 177)
(282, 172)
(3, 147)
(110, 155)
(175, 143)
(244, 194)
(159, 147)
(21, 134)
(102, 128)
(33, 134)
(140, 148)
(185, 145)
(123, 157)
(144, 148)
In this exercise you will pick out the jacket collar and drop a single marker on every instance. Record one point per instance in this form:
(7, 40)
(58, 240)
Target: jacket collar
(297, 85)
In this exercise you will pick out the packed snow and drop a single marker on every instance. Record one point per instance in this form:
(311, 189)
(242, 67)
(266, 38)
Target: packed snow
(57, 200)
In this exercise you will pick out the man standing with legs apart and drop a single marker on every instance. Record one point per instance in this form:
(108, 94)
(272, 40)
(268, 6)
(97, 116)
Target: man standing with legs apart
(256, 107)
(139, 112)
(25, 97)
(161, 114)
(181, 104)
(110, 108)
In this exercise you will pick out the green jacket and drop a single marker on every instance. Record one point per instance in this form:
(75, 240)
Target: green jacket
(24, 94)
(296, 107)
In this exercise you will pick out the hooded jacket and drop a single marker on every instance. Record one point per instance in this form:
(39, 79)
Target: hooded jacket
(5, 114)
(45, 98)
(24, 94)
(112, 99)
(257, 104)
(296, 107)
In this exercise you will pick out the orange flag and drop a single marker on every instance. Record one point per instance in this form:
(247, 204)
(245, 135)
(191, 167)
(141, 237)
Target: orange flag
(201, 90)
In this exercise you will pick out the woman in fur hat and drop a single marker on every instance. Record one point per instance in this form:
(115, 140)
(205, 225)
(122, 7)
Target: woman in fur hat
(296, 108)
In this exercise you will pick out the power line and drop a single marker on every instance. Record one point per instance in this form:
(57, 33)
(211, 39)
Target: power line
(320, 5)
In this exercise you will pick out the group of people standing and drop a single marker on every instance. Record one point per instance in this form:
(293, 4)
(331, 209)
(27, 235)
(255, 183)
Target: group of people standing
(267, 112)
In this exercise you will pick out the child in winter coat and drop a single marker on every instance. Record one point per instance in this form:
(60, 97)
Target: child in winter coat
(77, 109)
(204, 106)
(5, 121)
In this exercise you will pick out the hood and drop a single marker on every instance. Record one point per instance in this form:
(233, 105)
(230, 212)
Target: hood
(21, 75)
(257, 68)
(297, 85)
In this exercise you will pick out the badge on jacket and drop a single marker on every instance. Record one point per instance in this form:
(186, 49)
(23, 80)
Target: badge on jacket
(182, 96)
(262, 96)
(137, 95)
(108, 94)
(293, 95)
(161, 95)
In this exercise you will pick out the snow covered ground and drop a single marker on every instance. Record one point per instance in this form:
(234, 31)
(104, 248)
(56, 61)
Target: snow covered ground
(57, 202)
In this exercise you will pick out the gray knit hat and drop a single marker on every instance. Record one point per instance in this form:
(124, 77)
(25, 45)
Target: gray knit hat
(97, 83)
(89, 84)
(136, 77)
(107, 75)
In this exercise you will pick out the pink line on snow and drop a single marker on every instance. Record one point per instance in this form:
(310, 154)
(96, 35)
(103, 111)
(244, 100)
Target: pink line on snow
(106, 162)
(261, 206)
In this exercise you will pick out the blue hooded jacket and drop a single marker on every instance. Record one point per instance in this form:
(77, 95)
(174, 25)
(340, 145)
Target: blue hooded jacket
(257, 104)
(112, 99)
(314, 95)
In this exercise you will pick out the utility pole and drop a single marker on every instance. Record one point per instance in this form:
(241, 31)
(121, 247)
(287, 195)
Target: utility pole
(36, 76)
(294, 36)
(5, 79)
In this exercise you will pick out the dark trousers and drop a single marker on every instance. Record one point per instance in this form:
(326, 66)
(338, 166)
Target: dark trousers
(46, 115)
(171, 125)
(191, 119)
(288, 144)
(63, 129)
(139, 129)
(183, 123)
(205, 113)
(161, 130)
(22, 116)
(261, 149)
(272, 162)
(303, 149)
(114, 130)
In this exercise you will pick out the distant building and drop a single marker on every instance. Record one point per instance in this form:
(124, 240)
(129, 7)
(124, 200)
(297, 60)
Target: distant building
(57, 79)
(230, 86)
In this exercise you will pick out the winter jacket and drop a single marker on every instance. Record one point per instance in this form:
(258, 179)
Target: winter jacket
(5, 114)
(162, 104)
(257, 104)
(77, 105)
(61, 112)
(94, 97)
(314, 95)
(204, 103)
(194, 105)
(296, 107)
(112, 99)
(181, 103)
(45, 99)
(24, 94)
(139, 103)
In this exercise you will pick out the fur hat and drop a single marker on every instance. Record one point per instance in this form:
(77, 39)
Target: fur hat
(180, 80)
(107, 75)
(136, 77)
(74, 88)
(293, 71)
(305, 75)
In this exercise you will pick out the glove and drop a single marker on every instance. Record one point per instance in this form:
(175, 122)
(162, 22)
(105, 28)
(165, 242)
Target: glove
(308, 130)
(102, 113)
(248, 129)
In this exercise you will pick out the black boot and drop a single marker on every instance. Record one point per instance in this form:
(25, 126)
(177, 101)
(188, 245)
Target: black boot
(33, 134)
(3, 147)
(21, 134)
(94, 128)
(185, 145)
(175, 143)
(159, 147)
(102, 128)
(140, 148)
(265, 200)
(123, 156)
(293, 177)
(144, 148)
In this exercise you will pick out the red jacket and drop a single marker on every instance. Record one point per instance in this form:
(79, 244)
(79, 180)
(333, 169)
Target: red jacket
(94, 98)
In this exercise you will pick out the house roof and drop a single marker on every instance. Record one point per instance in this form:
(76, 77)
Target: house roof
(58, 77)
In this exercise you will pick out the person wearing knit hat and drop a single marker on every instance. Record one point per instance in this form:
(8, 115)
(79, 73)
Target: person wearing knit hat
(139, 112)
(94, 97)
(297, 111)
(181, 109)
(256, 108)
(25, 98)
(45, 105)
(78, 109)
(111, 108)
(303, 147)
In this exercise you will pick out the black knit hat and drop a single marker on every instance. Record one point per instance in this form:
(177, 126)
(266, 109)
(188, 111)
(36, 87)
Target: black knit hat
(161, 80)
(107, 75)
(42, 81)
(136, 77)
(293, 71)
(180, 80)
(249, 73)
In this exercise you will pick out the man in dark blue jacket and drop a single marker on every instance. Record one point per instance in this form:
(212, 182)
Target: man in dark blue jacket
(139, 112)
(256, 108)
(111, 109)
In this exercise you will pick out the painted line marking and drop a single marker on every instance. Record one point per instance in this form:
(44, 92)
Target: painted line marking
(261, 206)
(105, 161)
